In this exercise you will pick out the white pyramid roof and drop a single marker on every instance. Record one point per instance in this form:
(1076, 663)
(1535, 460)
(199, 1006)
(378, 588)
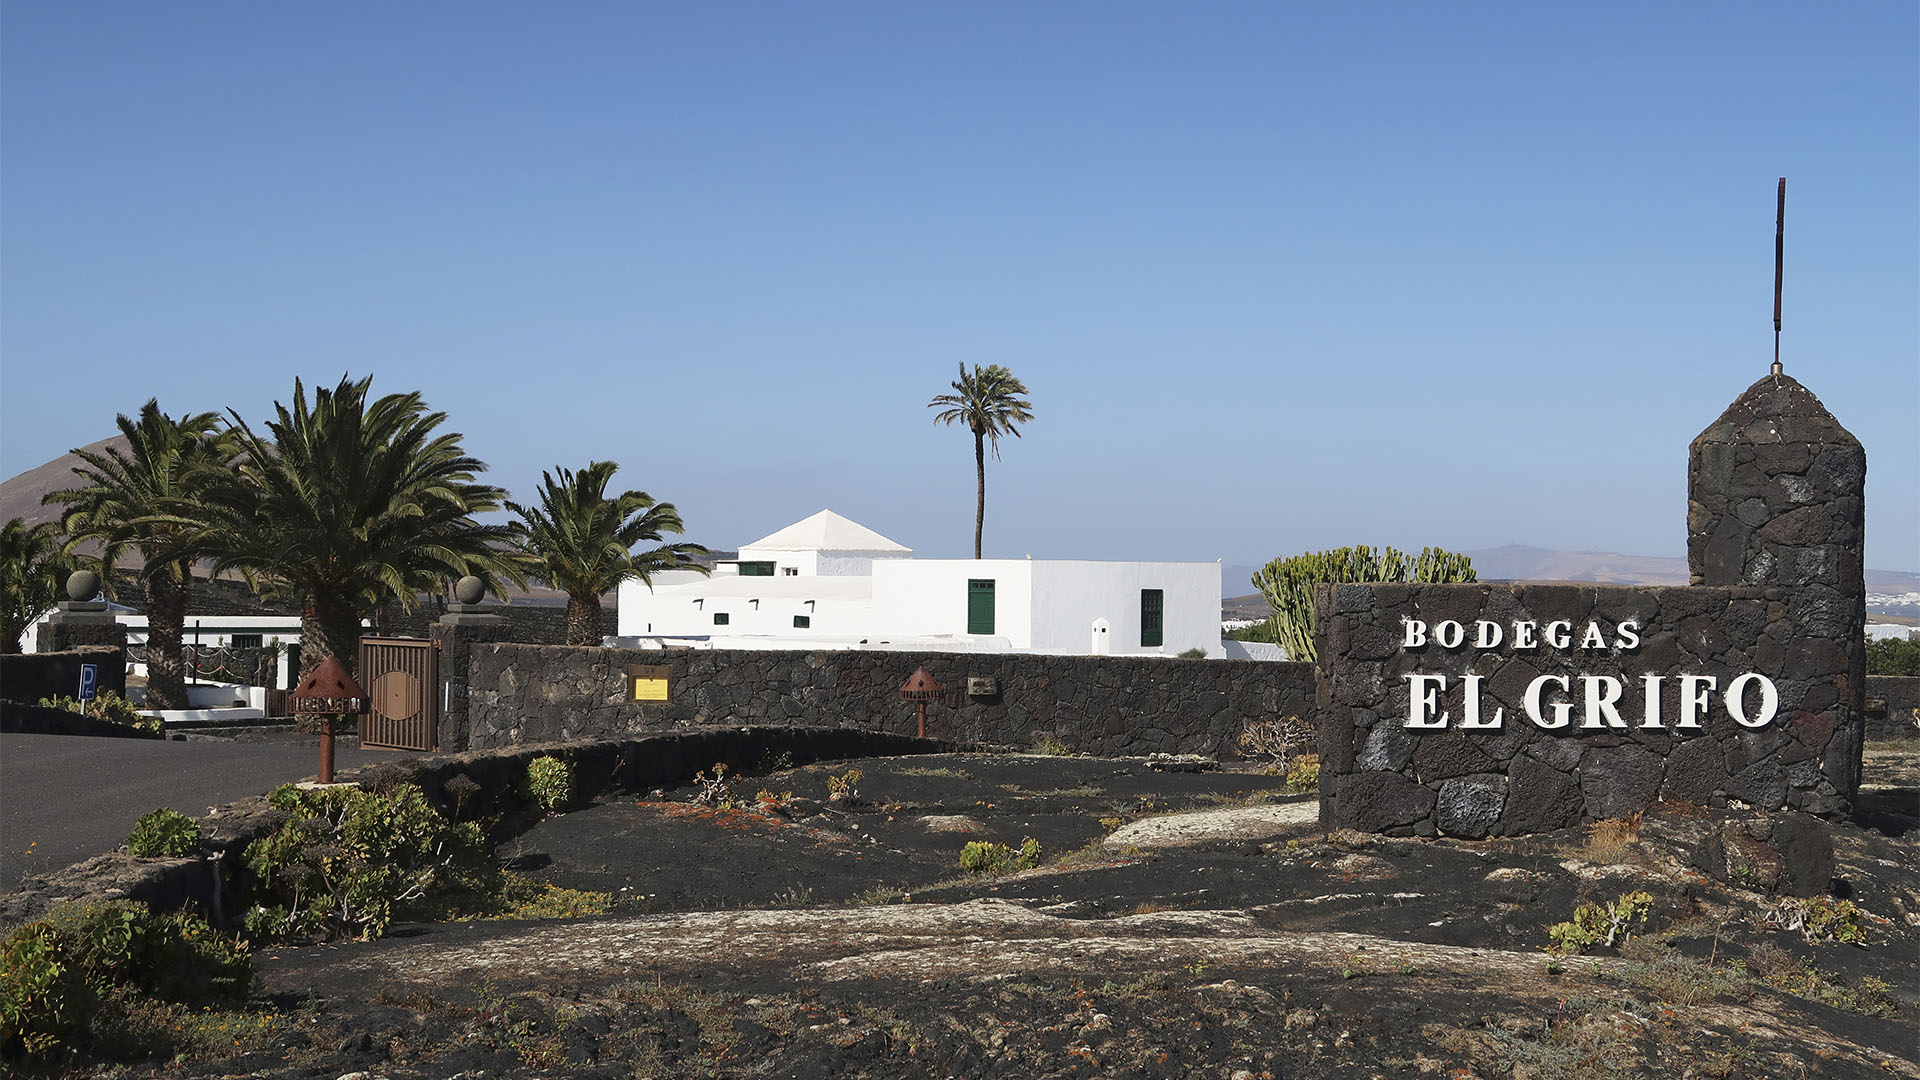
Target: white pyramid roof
(826, 531)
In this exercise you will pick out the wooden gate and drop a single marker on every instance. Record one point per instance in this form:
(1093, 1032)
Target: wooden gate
(402, 678)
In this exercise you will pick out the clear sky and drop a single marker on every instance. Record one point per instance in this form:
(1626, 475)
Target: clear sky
(1280, 276)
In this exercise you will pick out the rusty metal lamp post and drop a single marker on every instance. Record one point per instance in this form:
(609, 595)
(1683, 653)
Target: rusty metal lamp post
(920, 689)
(328, 690)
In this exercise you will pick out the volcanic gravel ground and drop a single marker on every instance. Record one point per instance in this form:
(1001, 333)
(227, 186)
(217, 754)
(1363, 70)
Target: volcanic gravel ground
(817, 940)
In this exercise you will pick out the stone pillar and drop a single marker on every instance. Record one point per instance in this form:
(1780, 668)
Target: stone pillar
(455, 633)
(1776, 499)
(80, 619)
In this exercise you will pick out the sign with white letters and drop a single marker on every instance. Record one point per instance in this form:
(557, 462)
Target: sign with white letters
(1551, 701)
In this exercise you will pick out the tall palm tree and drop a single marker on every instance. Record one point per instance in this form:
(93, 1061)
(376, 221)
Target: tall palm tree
(144, 499)
(348, 503)
(33, 570)
(990, 402)
(582, 541)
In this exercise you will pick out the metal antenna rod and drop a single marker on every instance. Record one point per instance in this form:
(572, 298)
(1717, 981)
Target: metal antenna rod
(1779, 264)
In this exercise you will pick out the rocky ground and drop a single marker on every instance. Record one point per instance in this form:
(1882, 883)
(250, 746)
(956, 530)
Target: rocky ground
(1177, 925)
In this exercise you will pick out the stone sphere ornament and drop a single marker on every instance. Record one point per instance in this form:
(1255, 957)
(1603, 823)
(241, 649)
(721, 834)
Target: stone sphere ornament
(83, 585)
(469, 590)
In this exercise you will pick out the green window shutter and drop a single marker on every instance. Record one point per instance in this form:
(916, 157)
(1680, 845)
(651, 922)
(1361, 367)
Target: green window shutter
(1152, 618)
(979, 606)
(721, 618)
(756, 569)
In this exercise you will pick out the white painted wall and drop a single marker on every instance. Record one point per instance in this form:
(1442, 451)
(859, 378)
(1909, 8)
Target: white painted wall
(928, 597)
(1068, 595)
(835, 607)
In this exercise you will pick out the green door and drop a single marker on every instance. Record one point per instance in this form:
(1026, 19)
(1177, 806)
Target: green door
(979, 606)
(1152, 618)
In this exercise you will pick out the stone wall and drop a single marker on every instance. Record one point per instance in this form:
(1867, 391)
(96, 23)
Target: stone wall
(1381, 775)
(1893, 701)
(1108, 705)
(28, 677)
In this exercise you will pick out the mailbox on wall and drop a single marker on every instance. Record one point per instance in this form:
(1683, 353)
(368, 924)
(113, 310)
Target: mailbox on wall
(646, 682)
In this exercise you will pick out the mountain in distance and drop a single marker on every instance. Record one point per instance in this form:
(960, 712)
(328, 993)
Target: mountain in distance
(20, 495)
(1892, 592)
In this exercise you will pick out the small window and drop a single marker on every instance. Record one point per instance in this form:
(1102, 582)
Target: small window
(756, 569)
(721, 618)
(1152, 618)
(802, 622)
(790, 571)
(979, 606)
(249, 641)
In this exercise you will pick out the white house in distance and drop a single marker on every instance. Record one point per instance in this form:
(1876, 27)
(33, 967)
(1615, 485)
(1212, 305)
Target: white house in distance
(830, 583)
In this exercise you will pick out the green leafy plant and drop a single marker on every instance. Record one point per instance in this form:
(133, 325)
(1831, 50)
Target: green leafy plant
(1601, 923)
(64, 973)
(550, 782)
(107, 706)
(1192, 654)
(987, 857)
(1288, 583)
(841, 789)
(164, 833)
(1304, 774)
(1820, 919)
(348, 862)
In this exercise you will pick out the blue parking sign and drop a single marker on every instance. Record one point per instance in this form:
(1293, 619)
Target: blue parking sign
(89, 679)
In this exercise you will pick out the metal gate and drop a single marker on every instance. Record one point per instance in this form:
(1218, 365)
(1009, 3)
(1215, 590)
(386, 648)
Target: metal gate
(402, 677)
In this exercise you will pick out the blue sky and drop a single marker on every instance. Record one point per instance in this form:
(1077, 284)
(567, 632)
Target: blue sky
(1280, 276)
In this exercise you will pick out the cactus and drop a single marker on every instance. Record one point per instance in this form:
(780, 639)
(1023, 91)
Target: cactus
(1288, 584)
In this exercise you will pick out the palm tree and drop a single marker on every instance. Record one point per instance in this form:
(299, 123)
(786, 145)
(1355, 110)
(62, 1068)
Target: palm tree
(144, 499)
(989, 402)
(350, 503)
(582, 541)
(33, 570)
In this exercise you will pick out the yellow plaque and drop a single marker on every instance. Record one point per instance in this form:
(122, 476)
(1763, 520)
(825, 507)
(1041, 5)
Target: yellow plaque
(649, 682)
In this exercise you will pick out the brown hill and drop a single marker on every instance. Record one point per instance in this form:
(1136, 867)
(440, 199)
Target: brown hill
(20, 495)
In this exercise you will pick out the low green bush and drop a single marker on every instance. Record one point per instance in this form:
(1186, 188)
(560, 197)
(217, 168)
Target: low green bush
(164, 833)
(987, 857)
(1304, 773)
(348, 862)
(1601, 924)
(105, 706)
(550, 782)
(86, 964)
(1893, 656)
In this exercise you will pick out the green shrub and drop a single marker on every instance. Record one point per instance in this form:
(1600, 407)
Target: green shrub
(83, 962)
(105, 706)
(1893, 656)
(1601, 924)
(349, 862)
(1304, 774)
(550, 782)
(1820, 919)
(1192, 654)
(164, 833)
(986, 857)
(841, 788)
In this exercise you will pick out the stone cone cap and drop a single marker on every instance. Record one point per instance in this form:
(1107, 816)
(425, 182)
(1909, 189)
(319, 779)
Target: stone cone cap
(1777, 409)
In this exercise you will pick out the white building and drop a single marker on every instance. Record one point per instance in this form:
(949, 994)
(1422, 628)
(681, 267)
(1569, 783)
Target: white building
(827, 582)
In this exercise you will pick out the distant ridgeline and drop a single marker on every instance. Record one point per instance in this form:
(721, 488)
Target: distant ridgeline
(1482, 710)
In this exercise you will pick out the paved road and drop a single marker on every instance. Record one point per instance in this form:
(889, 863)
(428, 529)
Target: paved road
(64, 798)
